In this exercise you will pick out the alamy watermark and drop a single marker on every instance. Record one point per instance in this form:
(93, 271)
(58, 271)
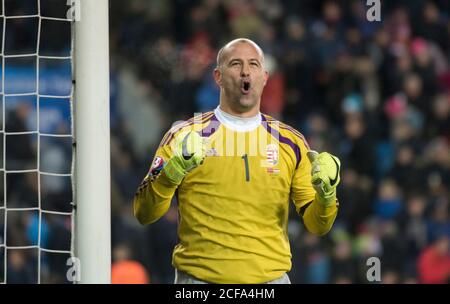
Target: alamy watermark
(264, 142)
(74, 11)
(73, 274)
(373, 273)
(374, 11)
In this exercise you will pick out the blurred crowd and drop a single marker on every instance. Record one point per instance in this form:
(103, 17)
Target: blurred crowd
(376, 94)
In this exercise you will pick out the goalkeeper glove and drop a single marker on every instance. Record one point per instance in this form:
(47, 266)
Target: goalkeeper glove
(188, 153)
(324, 176)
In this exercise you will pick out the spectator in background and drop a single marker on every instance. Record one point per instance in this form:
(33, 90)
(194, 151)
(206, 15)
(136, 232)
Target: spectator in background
(20, 268)
(125, 270)
(389, 201)
(296, 65)
(345, 269)
(434, 262)
(20, 154)
(431, 26)
(357, 147)
(161, 238)
(314, 262)
(404, 169)
(439, 221)
(438, 123)
(208, 93)
(272, 100)
(355, 192)
(413, 226)
(394, 251)
(436, 168)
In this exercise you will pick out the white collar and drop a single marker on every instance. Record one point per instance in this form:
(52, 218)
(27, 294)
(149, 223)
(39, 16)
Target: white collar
(236, 123)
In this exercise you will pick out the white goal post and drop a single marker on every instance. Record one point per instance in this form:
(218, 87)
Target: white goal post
(55, 217)
(92, 142)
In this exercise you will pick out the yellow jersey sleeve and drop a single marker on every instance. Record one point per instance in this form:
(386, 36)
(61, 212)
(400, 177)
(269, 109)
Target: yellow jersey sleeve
(154, 194)
(302, 191)
(317, 219)
(152, 198)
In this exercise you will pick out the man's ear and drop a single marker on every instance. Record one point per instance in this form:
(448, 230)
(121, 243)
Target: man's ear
(266, 77)
(218, 76)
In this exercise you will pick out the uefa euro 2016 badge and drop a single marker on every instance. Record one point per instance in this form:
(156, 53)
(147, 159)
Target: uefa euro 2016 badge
(157, 166)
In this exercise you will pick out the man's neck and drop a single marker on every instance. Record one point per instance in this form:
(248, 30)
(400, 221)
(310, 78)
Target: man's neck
(247, 114)
(237, 123)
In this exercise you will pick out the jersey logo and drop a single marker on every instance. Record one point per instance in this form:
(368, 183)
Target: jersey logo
(273, 171)
(334, 180)
(212, 152)
(272, 154)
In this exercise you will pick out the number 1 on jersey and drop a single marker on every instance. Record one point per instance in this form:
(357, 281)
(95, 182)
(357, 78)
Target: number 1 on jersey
(247, 171)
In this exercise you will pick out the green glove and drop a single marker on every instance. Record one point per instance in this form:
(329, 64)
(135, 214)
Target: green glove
(188, 153)
(324, 176)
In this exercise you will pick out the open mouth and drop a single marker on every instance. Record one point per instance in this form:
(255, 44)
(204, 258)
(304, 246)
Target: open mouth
(245, 88)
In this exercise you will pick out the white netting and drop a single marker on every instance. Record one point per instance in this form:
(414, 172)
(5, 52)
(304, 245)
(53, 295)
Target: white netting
(36, 209)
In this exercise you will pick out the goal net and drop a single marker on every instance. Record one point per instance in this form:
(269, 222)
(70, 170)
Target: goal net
(36, 137)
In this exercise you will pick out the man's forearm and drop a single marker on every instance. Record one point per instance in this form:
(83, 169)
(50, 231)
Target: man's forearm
(319, 219)
(152, 200)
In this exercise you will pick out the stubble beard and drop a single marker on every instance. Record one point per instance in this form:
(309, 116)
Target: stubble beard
(243, 103)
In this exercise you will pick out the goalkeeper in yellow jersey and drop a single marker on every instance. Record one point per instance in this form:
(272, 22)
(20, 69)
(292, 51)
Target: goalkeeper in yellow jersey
(234, 171)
